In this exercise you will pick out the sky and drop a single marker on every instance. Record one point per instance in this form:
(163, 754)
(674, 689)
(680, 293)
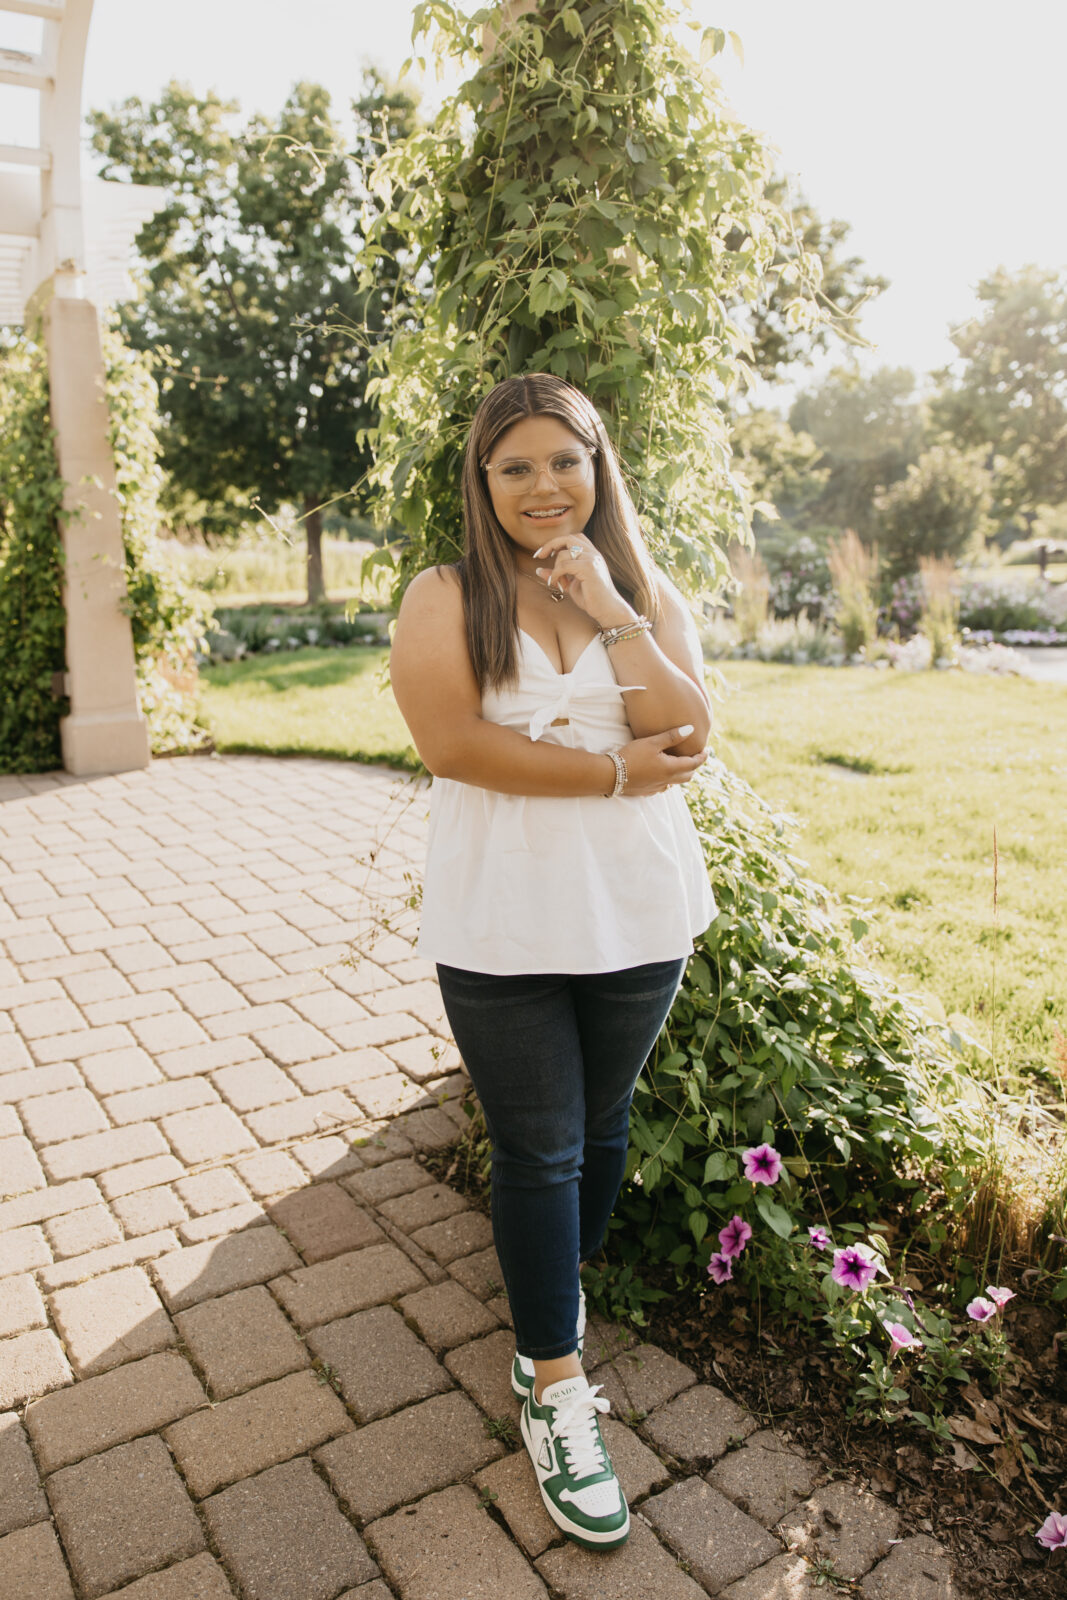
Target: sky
(933, 127)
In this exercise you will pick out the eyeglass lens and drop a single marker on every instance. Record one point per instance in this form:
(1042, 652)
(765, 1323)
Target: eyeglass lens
(516, 477)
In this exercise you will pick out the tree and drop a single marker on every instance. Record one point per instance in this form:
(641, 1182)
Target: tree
(252, 300)
(1009, 395)
(845, 287)
(940, 508)
(869, 427)
(781, 467)
(585, 204)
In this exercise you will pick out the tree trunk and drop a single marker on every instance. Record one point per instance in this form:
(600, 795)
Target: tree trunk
(313, 527)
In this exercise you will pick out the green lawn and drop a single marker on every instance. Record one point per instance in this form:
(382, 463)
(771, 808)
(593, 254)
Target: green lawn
(898, 780)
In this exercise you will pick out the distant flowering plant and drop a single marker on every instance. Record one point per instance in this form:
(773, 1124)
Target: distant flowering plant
(1053, 1532)
(818, 1238)
(980, 1310)
(999, 1297)
(762, 1164)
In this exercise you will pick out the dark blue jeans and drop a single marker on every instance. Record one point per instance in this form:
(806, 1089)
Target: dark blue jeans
(554, 1059)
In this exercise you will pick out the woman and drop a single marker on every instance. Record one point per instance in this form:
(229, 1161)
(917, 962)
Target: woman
(553, 684)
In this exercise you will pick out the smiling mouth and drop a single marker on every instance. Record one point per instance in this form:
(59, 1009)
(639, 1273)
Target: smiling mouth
(542, 512)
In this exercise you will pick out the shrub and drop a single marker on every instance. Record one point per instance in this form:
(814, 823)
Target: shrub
(751, 593)
(800, 577)
(32, 619)
(939, 622)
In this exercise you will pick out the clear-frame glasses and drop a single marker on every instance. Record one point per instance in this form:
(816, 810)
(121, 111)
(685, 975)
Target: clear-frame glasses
(566, 468)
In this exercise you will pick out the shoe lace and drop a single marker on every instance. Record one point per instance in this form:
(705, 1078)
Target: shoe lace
(574, 1425)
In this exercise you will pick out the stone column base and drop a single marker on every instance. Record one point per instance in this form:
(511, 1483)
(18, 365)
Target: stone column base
(100, 742)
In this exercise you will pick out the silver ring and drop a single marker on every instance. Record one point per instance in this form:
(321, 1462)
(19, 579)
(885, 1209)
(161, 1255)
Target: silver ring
(574, 551)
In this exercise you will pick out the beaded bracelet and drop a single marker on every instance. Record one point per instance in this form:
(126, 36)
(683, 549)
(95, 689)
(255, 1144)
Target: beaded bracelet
(628, 630)
(620, 773)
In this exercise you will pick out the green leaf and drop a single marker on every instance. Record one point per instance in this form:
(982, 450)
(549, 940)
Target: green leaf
(775, 1216)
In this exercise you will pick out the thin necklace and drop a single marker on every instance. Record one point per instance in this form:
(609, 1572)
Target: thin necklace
(552, 593)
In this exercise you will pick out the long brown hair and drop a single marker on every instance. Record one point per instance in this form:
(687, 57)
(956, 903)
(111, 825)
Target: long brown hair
(487, 571)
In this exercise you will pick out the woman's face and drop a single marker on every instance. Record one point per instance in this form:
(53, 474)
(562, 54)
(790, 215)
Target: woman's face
(539, 439)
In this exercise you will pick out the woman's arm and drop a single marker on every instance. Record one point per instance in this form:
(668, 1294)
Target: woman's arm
(670, 664)
(437, 693)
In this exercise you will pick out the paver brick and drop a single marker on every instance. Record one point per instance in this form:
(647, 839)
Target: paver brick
(126, 1007)
(787, 1577)
(241, 1340)
(329, 1157)
(19, 1084)
(421, 1000)
(512, 1486)
(635, 1571)
(327, 1008)
(389, 1096)
(9, 1122)
(22, 1249)
(271, 1172)
(426, 1447)
(324, 1221)
(637, 1468)
(766, 1478)
(641, 1379)
(312, 1113)
(19, 1167)
(284, 1538)
(249, 1085)
(51, 1202)
(75, 1269)
(208, 999)
(78, 1232)
(483, 1367)
(248, 1020)
(111, 1320)
(149, 1210)
(193, 1059)
(211, 1191)
(123, 1513)
(447, 1548)
(207, 1134)
(160, 1100)
(386, 1182)
(698, 1425)
(200, 1578)
(138, 1175)
(33, 1364)
(84, 1158)
(31, 1563)
(336, 1288)
(446, 1315)
(844, 1522)
(457, 1236)
(718, 1543)
(118, 1071)
(13, 1054)
(21, 1306)
(174, 1030)
(480, 1273)
(378, 1362)
(75, 1046)
(383, 1143)
(99, 983)
(204, 1271)
(22, 1499)
(424, 1057)
(423, 1207)
(293, 1043)
(243, 1436)
(51, 1117)
(214, 1224)
(98, 1413)
(47, 1016)
(915, 1569)
(376, 1031)
(339, 1071)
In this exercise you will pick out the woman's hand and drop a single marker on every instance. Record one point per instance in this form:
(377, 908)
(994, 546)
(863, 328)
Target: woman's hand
(584, 577)
(650, 770)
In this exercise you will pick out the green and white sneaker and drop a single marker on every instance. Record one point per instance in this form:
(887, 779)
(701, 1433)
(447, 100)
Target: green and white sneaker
(578, 1485)
(522, 1368)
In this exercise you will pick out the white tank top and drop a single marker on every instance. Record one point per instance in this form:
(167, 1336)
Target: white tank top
(572, 884)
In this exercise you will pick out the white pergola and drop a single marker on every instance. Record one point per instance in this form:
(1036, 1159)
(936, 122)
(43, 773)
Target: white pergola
(48, 274)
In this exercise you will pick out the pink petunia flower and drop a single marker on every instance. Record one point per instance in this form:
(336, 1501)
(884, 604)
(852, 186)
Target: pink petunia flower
(853, 1268)
(819, 1238)
(1053, 1531)
(999, 1297)
(900, 1338)
(734, 1236)
(720, 1268)
(980, 1309)
(762, 1164)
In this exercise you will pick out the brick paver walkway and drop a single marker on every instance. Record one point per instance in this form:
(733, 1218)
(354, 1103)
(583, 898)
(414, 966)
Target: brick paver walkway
(242, 1355)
